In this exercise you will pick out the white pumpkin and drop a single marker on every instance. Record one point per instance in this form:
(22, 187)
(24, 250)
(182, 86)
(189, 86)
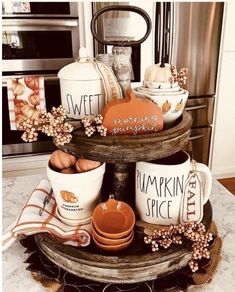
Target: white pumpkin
(156, 73)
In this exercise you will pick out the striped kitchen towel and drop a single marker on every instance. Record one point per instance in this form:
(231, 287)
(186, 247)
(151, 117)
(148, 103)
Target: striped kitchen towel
(30, 221)
(26, 98)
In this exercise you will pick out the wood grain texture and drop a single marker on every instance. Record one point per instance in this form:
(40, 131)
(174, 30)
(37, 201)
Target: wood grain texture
(133, 266)
(127, 149)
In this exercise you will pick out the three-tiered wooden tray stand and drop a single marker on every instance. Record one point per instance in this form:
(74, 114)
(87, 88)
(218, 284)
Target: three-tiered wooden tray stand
(137, 263)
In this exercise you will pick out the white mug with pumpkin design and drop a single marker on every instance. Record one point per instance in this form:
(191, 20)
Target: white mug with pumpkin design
(76, 194)
(161, 186)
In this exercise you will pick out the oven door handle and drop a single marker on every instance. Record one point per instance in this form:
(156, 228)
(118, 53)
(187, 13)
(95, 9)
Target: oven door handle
(196, 107)
(196, 137)
(8, 23)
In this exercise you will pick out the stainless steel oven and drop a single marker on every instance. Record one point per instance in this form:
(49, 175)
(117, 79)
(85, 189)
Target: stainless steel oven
(38, 39)
(39, 44)
(27, 9)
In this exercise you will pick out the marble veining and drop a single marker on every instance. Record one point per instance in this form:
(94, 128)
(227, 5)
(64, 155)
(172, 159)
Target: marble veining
(16, 278)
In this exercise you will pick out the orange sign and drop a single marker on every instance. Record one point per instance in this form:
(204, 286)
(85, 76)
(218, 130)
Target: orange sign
(132, 116)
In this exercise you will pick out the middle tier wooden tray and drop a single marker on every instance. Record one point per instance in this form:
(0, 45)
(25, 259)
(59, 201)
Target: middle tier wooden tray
(128, 149)
(135, 264)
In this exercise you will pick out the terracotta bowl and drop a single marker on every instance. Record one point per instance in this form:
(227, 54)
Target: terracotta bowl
(110, 241)
(113, 219)
(116, 247)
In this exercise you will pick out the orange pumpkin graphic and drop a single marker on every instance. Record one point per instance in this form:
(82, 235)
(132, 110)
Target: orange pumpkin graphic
(179, 106)
(166, 106)
(19, 103)
(32, 82)
(34, 98)
(17, 88)
(68, 197)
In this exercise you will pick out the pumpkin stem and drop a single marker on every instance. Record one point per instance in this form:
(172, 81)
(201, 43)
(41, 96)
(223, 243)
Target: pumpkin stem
(130, 94)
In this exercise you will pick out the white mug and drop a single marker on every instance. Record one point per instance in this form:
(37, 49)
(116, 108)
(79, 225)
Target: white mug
(160, 185)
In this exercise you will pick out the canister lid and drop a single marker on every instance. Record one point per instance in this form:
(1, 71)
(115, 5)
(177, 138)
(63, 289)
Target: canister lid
(83, 69)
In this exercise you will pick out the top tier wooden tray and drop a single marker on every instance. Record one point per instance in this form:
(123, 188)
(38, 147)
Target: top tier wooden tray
(127, 149)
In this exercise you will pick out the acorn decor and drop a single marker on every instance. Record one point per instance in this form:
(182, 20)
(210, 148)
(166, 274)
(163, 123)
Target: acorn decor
(50, 123)
(193, 232)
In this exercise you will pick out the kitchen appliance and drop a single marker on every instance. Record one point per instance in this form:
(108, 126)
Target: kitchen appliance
(38, 39)
(191, 32)
(38, 44)
(26, 9)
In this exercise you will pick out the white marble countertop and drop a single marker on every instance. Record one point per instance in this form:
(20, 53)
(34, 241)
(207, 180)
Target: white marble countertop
(16, 278)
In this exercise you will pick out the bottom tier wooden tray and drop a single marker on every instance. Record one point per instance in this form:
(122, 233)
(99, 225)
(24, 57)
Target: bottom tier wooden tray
(133, 265)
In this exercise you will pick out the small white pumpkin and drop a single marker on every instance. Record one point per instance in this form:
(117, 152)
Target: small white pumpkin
(156, 73)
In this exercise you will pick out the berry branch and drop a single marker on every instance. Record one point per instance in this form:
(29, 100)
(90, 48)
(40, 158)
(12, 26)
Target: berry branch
(92, 126)
(50, 123)
(176, 234)
(178, 76)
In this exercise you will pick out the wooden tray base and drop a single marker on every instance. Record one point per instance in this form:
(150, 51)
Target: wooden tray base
(133, 265)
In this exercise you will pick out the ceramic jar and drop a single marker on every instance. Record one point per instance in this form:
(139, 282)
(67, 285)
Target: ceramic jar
(82, 90)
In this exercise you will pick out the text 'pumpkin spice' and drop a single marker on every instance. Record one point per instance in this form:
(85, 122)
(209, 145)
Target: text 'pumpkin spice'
(131, 116)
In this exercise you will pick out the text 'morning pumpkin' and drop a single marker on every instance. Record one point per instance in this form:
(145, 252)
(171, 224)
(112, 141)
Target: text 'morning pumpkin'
(132, 116)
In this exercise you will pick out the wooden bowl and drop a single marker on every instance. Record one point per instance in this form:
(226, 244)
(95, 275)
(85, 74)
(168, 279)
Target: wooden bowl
(113, 219)
(116, 247)
(110, 241)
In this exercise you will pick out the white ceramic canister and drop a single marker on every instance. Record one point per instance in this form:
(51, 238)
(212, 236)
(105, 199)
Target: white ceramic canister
(81, 87)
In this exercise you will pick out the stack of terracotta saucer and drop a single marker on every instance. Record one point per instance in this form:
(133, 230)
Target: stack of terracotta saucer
(112, 225)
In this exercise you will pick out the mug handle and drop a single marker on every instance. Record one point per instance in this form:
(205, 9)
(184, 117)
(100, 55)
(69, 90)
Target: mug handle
(208, 180)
